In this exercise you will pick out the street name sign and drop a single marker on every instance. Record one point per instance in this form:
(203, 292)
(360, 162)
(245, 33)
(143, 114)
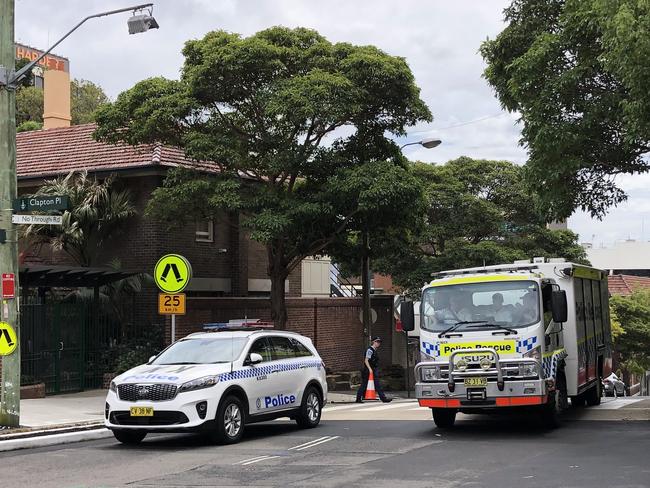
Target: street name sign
(37, 219)
(42, 203)
(172, 273)
(8, 339)
(169, 304)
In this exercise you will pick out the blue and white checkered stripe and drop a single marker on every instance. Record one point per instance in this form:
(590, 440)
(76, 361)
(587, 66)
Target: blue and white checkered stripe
(264, 370)
(431, 350)
(550, 363)
(526, 345)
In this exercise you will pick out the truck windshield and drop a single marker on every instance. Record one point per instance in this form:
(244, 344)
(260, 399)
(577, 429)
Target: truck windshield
(202, 351)
(508, 303)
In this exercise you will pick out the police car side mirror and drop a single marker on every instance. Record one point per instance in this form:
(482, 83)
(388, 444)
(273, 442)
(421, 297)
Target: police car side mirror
(254, 358)
(559, 306)
(151, 358)
(407, 316)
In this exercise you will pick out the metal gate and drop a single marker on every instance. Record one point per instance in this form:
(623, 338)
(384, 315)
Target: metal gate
(68, 346)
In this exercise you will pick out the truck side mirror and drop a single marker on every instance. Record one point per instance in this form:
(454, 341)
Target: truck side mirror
(407, 316)
(559, 306)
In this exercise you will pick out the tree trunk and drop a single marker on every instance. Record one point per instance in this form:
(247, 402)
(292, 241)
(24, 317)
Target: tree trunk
(278, 272)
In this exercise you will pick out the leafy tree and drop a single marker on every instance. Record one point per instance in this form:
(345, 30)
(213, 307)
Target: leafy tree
(29, 125)
(296, 128)
(632, 313)
(85, 98)
(479, 212)
(576, 71)
(97, 214)
(29, 105)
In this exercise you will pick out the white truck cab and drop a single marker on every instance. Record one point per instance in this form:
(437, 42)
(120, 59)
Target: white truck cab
(216, 382)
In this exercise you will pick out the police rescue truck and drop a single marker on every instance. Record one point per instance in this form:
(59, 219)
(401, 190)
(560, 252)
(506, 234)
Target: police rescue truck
(524, 335)
(216, 382)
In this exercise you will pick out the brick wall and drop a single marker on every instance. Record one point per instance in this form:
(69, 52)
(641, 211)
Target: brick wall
(332, 323)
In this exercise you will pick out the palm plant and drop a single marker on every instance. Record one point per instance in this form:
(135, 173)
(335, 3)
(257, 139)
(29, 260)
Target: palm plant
(97, 213)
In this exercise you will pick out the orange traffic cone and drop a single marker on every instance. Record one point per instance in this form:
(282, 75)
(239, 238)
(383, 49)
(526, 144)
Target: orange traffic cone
(371, 394)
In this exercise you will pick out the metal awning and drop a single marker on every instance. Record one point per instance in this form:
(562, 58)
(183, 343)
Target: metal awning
(33, 276)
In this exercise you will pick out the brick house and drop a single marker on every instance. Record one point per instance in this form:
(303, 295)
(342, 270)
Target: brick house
(230, 277)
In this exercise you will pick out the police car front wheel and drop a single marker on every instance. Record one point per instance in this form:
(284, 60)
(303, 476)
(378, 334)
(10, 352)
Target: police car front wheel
(230, 421)
(310, 409)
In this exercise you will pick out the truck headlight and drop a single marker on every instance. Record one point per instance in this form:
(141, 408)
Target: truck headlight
(113, 387)
(535, 353)
(486, 364)
(461, 365)
(205, 382)
(527, 369)
(431, 373)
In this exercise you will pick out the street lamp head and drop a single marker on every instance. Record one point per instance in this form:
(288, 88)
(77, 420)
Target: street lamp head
(430, 142)
(141, 23)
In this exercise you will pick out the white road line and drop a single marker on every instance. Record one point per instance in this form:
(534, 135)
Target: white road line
(265, 458)
(251, 459)
(318, 443)
(308, 443)
(342, 407)
(378, 408)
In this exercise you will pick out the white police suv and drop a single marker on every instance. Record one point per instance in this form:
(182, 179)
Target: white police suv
(216, 382)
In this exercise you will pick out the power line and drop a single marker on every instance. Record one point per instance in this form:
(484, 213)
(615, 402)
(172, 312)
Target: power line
(461, 124)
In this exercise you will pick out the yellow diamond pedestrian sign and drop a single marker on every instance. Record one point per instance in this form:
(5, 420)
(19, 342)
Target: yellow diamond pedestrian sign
(172, 273)
(8, 339)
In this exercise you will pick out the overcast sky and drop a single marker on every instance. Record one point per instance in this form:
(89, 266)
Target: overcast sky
(439, 39)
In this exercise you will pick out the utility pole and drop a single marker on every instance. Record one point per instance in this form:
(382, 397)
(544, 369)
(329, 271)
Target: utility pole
(365, 286)
(10, 381)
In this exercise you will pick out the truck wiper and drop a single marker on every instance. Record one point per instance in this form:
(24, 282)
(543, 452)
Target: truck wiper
(496, 326)
(458, 324)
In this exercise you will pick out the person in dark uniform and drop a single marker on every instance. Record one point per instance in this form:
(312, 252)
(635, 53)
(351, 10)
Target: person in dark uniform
(371, 363)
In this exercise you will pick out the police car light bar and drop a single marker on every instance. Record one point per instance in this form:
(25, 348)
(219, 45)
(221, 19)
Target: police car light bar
(238, 324)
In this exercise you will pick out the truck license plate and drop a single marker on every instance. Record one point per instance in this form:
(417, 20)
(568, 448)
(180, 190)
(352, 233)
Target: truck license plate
(141, 411)
(475, 381)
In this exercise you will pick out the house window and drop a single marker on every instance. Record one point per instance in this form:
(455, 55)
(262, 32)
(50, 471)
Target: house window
(205, 231)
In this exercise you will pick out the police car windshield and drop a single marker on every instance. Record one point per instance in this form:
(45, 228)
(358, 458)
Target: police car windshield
(509, 304)
(202, 351)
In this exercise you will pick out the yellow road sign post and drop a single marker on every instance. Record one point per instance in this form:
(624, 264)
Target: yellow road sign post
(172, 274)
(8, 339)
(169, 304)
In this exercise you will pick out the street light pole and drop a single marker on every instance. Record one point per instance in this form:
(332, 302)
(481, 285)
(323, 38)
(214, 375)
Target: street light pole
(9, 308)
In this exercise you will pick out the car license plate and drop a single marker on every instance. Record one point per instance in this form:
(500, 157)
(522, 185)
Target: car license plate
(475, 381)
(141, 411)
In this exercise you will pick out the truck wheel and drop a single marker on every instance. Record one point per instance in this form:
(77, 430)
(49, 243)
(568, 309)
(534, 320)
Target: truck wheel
(595, 392)
(310, 409)
(229, 427)
(444, 418)
(129, 436)
(578, 401)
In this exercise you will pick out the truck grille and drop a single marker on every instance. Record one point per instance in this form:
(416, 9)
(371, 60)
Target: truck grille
(152, 392)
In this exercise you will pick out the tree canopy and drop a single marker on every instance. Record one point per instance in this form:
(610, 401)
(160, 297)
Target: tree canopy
(576, 71)
(632, 315)
(478, 212)
(294, 129)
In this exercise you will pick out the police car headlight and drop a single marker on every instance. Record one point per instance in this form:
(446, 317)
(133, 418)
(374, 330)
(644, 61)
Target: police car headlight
(431, 374)
(205, 382)
(113, 387)
(534, 353)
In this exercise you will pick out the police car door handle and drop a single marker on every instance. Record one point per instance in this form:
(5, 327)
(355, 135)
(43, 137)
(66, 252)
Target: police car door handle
(304, 366)
(275, 371)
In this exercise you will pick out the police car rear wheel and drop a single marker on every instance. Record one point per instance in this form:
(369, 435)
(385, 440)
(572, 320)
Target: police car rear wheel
(129, 436)
(230, 421)
(310, 409)
(444, 418)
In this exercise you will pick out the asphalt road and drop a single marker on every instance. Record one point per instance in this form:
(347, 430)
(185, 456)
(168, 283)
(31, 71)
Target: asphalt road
(480, 451)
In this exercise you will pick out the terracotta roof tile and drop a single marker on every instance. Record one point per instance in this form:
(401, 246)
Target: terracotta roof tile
(626, 284)
(52, 152)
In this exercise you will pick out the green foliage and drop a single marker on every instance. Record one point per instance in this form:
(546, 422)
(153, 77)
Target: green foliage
(478, 212)
(137, 349)
(633, 343)
(85, 98)
(295, 128)
(29, 105)
(577, 72)
(99, 210)
(29, 125)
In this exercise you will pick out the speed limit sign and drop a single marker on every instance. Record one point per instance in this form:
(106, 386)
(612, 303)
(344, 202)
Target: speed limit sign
(171, 304)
